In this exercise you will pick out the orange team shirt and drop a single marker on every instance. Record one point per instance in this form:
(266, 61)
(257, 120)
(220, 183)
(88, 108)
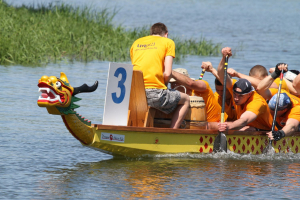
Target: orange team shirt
(213, 109)
(283, 86)
(229, 109)
(258, 105)
(148, 55)
(293, 113)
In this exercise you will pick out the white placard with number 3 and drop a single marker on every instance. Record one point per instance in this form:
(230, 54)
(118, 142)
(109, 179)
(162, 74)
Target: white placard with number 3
(117, 94)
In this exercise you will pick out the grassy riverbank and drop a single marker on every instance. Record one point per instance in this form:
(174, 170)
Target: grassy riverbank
(37, 36)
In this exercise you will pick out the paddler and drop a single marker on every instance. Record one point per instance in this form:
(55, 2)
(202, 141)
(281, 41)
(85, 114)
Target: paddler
(229, 102)
(252, 110)
(201, 88)
(153, 55)
(288, 110)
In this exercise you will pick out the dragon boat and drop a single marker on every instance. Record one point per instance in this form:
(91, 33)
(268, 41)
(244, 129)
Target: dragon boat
(145, 132)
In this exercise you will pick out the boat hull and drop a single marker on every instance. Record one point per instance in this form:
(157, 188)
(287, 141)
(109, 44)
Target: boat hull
(148, 143)
(141, 142)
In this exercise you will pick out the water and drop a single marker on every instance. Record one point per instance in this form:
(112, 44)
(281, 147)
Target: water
(41, 160)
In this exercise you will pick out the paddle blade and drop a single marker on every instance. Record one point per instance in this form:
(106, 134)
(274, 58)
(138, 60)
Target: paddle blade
(220, 144)
(269, 150)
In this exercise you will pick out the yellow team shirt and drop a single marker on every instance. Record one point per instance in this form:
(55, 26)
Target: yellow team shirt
(229, 109)
(293, 113)
(258, 105)
(148, 55)
(213, 109)
(283, 86)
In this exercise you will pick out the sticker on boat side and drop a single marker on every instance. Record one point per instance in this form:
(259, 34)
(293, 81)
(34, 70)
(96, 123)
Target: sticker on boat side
(112, 137)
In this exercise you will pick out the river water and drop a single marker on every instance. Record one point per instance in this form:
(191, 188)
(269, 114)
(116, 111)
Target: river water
(41, 160)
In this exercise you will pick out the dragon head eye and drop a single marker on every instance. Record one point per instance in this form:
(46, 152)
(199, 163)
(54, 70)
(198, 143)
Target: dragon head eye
(58, 84)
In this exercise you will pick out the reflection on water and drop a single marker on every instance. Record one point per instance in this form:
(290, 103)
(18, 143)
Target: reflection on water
(210, 176)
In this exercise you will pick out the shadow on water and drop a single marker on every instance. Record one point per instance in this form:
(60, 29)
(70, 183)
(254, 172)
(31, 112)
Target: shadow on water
(181, 175)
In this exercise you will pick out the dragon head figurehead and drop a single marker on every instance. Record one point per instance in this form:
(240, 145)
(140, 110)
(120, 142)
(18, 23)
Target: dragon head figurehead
(58, 96)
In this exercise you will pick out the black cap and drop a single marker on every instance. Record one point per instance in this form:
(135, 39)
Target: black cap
(244, 85)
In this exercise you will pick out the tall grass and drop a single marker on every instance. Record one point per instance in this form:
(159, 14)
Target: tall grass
(37, 36)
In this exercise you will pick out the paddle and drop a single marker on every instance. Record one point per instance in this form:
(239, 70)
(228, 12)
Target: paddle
(269, 149)
(220, 143)
(202, 74)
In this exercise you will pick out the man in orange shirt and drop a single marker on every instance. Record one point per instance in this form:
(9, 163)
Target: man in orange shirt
(229, 102)
(288, 114)
(251, 108)
(202, 89)
(229, 107)
(153, 55)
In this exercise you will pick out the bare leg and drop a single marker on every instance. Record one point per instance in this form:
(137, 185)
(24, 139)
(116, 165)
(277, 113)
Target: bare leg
(181, 110)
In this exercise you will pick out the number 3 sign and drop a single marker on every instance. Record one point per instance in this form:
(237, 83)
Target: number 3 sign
(117, 94)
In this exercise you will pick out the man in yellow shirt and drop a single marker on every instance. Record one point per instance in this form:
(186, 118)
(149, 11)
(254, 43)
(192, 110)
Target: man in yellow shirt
(153, 55)
(202, 89)
(251, 108)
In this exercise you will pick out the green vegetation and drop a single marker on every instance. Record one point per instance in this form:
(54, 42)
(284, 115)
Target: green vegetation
(37, 36)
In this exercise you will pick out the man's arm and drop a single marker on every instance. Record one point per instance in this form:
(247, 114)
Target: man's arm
(263, 86)
(290, 126)
(168, 69)
(296, 83)
(291, 87)
(254, 81)
(199, 86)
(209, 68)
(289, 84)
(246, 118)
(225, 52)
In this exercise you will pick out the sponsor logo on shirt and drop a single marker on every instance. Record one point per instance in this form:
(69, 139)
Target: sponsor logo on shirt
(146, 45)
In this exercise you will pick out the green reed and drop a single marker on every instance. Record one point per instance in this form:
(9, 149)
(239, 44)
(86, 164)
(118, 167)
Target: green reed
(37, 36)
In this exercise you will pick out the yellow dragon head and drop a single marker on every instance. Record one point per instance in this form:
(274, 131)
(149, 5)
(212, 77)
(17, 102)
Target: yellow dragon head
(58, 96)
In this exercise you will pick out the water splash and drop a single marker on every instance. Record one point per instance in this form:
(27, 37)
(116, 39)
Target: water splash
(236, 156)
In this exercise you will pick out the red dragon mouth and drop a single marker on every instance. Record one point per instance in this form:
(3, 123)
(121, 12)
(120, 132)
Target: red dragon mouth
(49, 95)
